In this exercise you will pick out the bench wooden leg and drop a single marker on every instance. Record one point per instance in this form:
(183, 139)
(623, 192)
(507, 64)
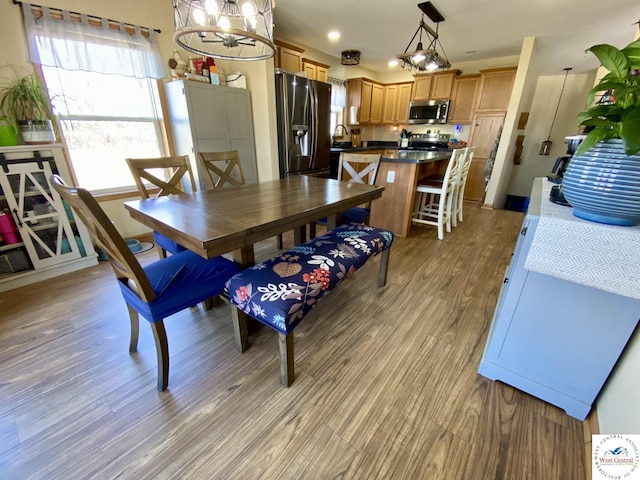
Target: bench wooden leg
(240, 332)
(384, 266)
(285, 344)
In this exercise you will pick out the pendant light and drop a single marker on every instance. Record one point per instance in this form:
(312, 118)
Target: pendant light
(227, 29)
(426, 58)
(545, 148)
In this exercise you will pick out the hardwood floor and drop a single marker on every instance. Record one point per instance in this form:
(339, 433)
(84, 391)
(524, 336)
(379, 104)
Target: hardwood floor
(386, 380)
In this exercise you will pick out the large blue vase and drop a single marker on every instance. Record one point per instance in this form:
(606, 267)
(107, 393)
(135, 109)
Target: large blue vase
(603, 185)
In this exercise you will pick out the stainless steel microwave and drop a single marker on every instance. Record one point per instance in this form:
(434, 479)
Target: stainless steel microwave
(428, 111)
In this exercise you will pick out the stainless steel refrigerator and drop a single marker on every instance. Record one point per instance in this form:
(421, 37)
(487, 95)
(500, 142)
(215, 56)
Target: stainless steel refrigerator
(303, 109)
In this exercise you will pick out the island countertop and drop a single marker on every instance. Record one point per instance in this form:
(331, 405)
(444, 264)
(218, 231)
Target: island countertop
(415, 156)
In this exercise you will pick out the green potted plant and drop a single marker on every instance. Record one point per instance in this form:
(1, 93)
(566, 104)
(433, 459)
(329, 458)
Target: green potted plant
(24, 100)
(602, 182)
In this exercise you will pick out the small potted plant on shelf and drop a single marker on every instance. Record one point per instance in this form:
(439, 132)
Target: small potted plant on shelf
(24, 100)
(602, 182)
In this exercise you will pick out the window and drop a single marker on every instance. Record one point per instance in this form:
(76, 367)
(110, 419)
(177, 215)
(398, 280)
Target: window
(105, 119)
(338, 102)
(101, 77)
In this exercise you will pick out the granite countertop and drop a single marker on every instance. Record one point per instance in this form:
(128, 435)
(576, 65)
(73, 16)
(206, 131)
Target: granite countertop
(415, 156)
(602, 256)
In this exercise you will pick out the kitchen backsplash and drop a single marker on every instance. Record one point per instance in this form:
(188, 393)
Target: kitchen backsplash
(385, 133)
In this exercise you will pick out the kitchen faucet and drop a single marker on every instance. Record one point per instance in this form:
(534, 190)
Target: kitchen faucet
(335, 131)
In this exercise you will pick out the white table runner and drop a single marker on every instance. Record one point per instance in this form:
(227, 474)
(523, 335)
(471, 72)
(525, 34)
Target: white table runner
(602, 256)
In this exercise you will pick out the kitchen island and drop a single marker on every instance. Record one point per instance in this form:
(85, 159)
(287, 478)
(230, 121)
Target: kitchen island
(399, 173)
(569, 304)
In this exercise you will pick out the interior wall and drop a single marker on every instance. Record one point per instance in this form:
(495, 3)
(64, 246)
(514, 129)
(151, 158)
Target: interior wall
(542, 111)
(618, 402)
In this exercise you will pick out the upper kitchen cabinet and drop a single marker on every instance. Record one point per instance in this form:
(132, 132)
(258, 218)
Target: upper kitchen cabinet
(495, 88)
(209, 118)
(365, 98)
(396, 103)
(436, 86)
(288, 57)
(463, 99)
(315, 70)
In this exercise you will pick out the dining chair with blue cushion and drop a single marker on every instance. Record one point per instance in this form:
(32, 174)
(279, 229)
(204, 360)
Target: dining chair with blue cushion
(160, 176)
(154, 291)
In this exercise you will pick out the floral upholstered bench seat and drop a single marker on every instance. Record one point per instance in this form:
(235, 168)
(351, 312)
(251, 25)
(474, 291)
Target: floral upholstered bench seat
(281, 291)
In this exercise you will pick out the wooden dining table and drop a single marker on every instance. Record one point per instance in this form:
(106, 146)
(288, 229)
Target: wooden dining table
(214, 222)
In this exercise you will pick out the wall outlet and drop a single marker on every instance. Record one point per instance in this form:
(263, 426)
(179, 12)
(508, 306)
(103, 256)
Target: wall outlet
(391, 176)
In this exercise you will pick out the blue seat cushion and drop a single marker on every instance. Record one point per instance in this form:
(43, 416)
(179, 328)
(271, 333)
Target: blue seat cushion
(281, 291)
(355, 215)
(180, 281)
(169, 245)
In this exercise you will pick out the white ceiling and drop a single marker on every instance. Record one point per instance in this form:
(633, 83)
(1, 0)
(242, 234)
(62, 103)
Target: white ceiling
(381, 29)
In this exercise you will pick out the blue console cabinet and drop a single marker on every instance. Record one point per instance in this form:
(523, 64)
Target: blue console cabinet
(552, 338)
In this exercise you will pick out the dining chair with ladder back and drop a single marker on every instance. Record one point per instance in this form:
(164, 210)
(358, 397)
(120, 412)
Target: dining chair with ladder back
(222, 168)
(160, 176)
(359, 168)
(462, 183)
(435, 199)
(154, 291)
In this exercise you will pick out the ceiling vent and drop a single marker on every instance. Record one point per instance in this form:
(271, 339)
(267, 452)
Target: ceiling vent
(350, 57)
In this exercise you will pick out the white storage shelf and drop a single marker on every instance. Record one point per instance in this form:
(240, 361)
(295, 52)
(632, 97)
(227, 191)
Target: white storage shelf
(552, 338)
(50, 239)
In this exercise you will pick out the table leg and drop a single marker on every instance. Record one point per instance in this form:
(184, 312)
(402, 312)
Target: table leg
(243, 323)
(244, 257)
(333, 221)
(300, 235)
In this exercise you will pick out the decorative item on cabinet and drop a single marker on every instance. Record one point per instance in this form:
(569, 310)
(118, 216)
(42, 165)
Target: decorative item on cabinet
(517, 156)
(522, 121)
(49, 240)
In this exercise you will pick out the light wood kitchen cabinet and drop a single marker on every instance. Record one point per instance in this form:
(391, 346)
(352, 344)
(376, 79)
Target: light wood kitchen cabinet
(315, 70)
(495, 88)
(422, 87)
(288, 57)
(463, 97)
(210, 118)
(434, 86)
(45, 238)
(396, 103)
(366, 97)
(484, 132)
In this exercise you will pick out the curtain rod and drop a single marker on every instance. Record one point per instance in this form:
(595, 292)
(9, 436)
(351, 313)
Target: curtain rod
(18, 2)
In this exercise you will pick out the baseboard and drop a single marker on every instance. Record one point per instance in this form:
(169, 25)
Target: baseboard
(487, 206)
(590, 427)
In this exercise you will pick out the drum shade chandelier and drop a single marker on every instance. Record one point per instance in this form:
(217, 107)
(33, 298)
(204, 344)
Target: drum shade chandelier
(426, 59)
(226, 29)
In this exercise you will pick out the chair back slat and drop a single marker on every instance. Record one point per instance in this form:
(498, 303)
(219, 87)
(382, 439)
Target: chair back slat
(222, 168)
(360, 167)
(175, 168)
(123, 262)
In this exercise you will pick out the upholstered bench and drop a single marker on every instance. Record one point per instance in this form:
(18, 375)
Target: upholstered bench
(280, 292)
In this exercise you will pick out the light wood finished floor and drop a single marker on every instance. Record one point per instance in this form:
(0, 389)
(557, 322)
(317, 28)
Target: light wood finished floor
(386, 384)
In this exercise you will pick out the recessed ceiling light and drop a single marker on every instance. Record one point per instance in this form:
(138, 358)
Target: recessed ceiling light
(333, 35)
(393, 63)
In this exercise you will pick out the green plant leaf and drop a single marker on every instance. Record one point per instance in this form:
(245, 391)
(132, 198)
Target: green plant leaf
(592, 138)
(611, 58)
(633, 54)
(631, 132)
(603, 86)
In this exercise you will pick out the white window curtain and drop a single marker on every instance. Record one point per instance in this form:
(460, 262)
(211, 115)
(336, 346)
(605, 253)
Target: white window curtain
(338, 92)
(72, 45)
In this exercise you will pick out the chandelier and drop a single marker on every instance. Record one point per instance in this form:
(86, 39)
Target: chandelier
(227, 29)
(426, 58)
